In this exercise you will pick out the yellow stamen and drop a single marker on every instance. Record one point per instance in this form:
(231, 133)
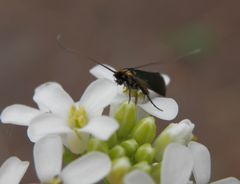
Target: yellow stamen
(55, 180)
(137, 94)
(77, 117)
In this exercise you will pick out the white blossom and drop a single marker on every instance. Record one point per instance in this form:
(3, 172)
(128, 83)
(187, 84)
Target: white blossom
(179, 162)
(59, 114)
(88, 169)
(181, 133)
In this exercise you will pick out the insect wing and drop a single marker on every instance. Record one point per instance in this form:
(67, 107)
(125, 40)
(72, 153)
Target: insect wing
(154, 80)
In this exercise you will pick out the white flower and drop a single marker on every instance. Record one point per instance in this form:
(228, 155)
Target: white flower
(174, 133)
(178, 163)
(202, 165)
(201, 168)
(12, 170)
(180, 132)
(87, 169)
(168, 105)
(74, 121)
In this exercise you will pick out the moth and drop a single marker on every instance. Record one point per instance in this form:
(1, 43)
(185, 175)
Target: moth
(138, 80)
(135, 79)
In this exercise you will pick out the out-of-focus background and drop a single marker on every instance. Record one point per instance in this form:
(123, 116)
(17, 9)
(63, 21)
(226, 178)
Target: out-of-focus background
(123, 34)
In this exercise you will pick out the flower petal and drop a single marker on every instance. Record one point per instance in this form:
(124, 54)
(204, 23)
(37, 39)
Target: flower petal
(19, 114)
(76, 143)
(53, 97)
(46, 124)
(121, 97)
(98, 95)
(88, 169)
(181, 132)
(101, 127)
(229, 180)
(12, 170)
(177, 164)
(168, 105)
(166, 79)
(138, 177)
(202, 162)
(113, 109)
(100, 72)
(48, 157)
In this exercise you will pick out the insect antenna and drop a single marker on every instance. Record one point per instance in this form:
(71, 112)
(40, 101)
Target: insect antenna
(150, 100)
(148, 64)
(75, 52)
(191, 53)
(196, 51)
(92, 59)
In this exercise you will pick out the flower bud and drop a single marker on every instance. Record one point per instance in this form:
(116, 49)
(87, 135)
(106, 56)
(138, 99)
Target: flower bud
(120, 167)
(145, 153)
(97, 145)
(113, 140)
(117, 152)
(144, 131)
(142, 166)
(126, 116)
(174, 132)
(68, 156)
(155, 173)
(130, 146)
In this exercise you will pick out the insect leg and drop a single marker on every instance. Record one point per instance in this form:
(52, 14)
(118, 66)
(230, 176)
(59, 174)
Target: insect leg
(129, 94)
(136, 97)
(152, 102)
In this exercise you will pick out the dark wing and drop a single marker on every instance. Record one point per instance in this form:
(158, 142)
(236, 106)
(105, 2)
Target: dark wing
(154, 80)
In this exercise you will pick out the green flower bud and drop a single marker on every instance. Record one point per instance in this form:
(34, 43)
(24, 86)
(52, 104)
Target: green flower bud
(145, 131)
(97, 145)
(68, 156)
(175, 132)
(117, 152)
(120, 167)
(126, 116)
(113, 140)
(143, 166)
(130, 146)
(145, 153)
(155, 173)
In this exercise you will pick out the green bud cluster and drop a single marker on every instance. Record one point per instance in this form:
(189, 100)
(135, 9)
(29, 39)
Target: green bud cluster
(133, 146)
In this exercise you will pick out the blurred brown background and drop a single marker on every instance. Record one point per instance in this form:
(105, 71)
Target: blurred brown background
(128, 33)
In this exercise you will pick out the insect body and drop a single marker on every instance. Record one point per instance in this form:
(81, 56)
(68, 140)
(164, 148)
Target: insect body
(142, 81)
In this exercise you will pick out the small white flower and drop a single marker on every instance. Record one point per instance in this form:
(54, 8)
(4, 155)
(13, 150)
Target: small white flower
(179, 132)
(196, 153)
(174, 133)
(74, 121)
(178, 163)
(87, 169)
(202, 165)
(12, 170)
(176, 168)
(168, 105)
(200, 157)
